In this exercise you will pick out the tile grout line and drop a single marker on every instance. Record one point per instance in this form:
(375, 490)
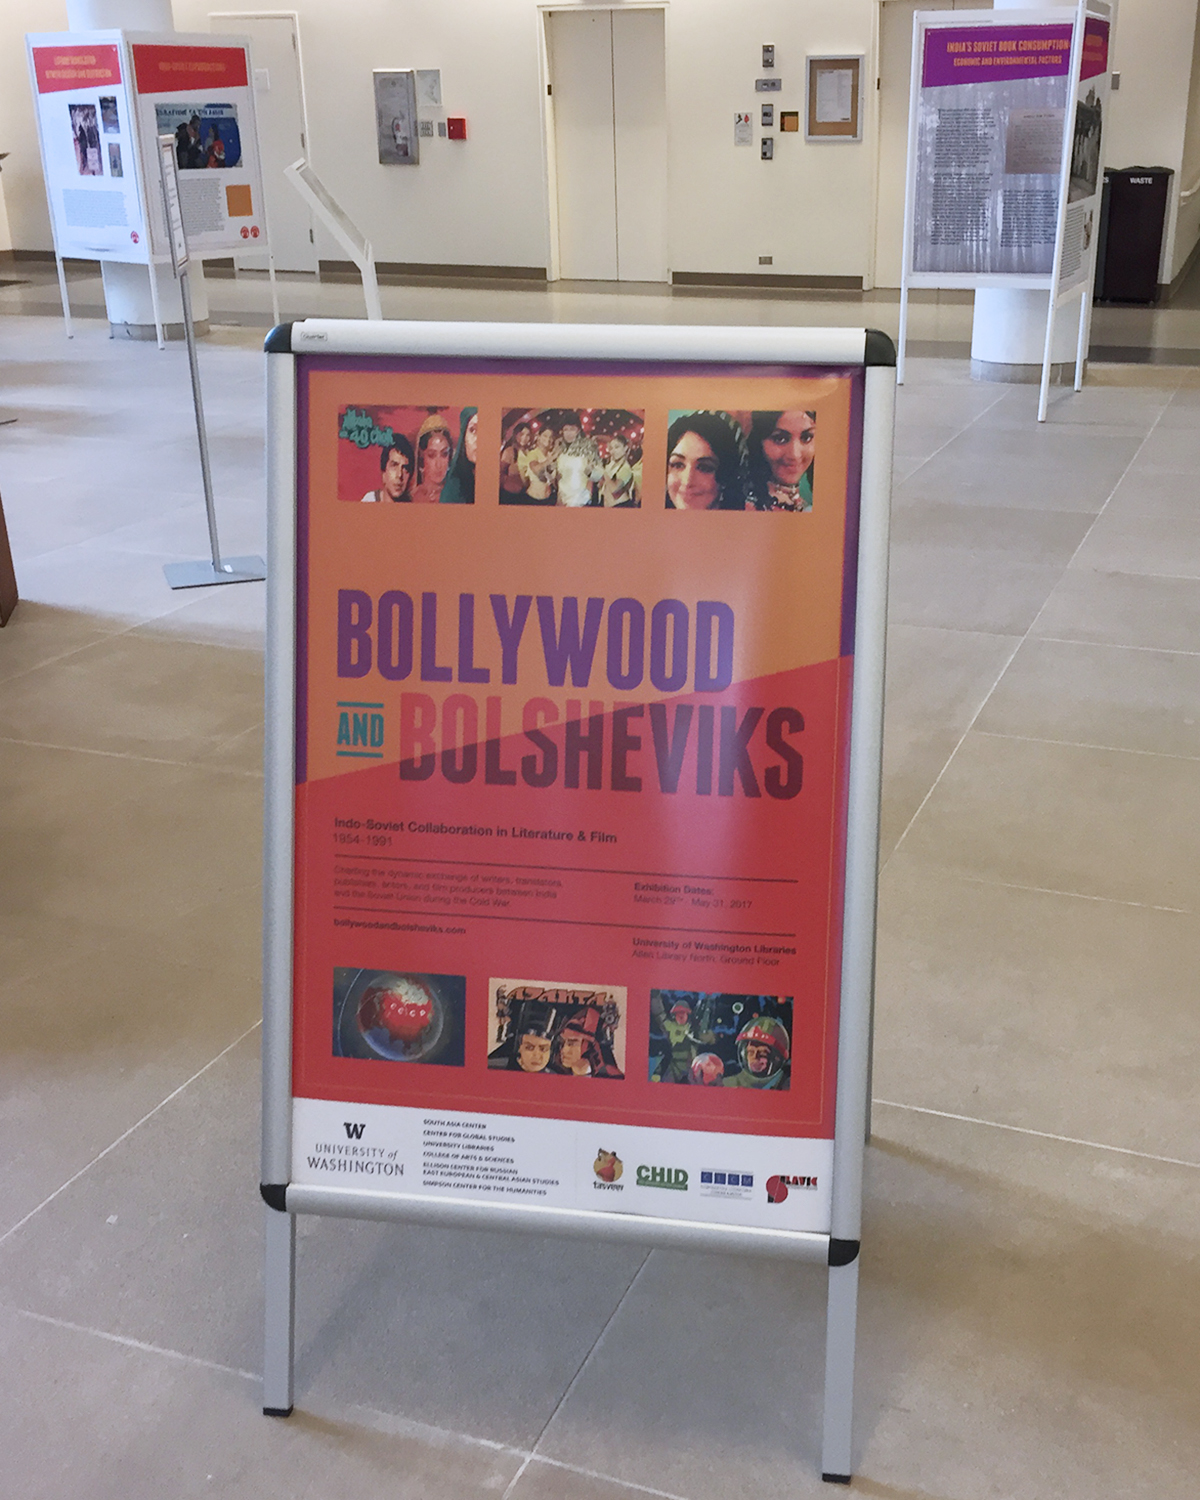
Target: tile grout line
(1066, 640)
(1044, 1135)
(148, 760)
(142, 1347)
(942, 448)
(1041, 739)
(1049, 890)
(130, 1343)
(574, 1381)
(1025, 637)
(124, 1136)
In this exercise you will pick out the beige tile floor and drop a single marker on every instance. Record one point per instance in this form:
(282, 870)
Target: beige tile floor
(1029, 1304)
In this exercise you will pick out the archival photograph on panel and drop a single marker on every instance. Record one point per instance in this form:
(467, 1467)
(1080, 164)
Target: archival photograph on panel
(206, 135)
(85, 128)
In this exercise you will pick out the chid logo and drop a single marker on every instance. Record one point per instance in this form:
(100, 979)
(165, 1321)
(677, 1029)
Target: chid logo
(777, 1187)
(674, 1178)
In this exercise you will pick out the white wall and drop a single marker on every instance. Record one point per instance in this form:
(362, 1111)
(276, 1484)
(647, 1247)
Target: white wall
(1187, 223)
(483, 202)
(1148, 115)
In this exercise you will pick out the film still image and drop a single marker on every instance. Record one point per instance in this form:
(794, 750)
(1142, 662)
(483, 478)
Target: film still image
(571, 1030)
(85, 127)
(109, 114)
(741, 460)
(204, 137)
(389, 1017)
(114, 160)
(419, 455)
(729, 1041)
(590, 457)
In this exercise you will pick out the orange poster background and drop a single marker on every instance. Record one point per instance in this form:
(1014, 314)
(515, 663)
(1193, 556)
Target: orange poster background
(781, 573)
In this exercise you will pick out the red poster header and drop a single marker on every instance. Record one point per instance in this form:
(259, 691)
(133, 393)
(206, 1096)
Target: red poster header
(75, 67)
(173, 70)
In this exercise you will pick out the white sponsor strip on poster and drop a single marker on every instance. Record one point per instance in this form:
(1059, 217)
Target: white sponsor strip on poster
(644, 861)
(996, 103)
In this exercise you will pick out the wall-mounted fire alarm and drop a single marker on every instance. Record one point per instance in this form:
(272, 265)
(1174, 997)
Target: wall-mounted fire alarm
(456, 127)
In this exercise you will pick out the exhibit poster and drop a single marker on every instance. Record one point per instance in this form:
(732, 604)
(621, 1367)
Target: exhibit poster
(198, 90)
(989, 148)
(396, 116)
(1081, 221)
(570, 788)
(86, 132)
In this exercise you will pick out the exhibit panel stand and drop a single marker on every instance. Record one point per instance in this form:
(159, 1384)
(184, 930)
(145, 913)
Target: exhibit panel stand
(102, 98)
(217, 569)
(628, 511)
(1005, 172)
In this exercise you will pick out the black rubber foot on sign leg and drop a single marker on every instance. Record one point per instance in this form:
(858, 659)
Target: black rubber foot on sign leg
(836, 1478)
(278, 1411)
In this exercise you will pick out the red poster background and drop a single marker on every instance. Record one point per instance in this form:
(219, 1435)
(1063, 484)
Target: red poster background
(87, 66)
(163, 68)
(774, 866)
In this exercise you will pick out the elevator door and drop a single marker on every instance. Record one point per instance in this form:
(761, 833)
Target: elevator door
(608, 116)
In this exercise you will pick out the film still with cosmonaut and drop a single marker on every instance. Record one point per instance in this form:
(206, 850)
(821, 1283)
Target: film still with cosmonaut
(730, 1041)
(573, 1031)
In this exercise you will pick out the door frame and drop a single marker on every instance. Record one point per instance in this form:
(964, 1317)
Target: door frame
(305, 134)
(546, 9)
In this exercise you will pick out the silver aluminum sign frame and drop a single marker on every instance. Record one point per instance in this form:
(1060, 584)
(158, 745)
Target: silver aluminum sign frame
(839, 1249)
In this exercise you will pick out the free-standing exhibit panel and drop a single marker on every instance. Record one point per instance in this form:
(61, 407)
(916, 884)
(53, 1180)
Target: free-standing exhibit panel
(573, 788)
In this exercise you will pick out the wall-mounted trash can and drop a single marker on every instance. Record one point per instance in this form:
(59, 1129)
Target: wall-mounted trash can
(1133, 214)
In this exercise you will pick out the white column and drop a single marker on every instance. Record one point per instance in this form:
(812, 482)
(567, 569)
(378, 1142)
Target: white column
(127, 287)
(1008, 336)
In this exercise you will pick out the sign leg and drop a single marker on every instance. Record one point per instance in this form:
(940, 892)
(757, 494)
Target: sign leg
(158, 321)
(1081, 348)
(62, 292)
(274, 289)
(371, 289)
(279, 1282)
(902, 350)
(840, 1322)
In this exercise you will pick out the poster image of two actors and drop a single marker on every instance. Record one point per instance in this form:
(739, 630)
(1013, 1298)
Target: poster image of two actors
(570, 1030)
(555, 456)
(418, 455)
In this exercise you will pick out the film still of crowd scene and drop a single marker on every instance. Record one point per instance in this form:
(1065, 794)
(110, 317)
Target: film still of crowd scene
(694, 1037)
(592, 457)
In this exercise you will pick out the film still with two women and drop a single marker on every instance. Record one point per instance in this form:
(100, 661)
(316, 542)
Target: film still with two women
(741, 460)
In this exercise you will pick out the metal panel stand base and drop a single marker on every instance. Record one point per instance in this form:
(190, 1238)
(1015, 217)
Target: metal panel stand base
(279, 1285)
(198, 575)
(841, 1321)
